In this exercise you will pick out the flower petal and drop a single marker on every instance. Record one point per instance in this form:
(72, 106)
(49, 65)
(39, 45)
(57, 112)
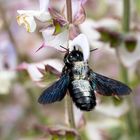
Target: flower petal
(81, 41)
(78, 12)
(58, 17)
(40, 15)
(42, 46)
(83, 1)
(88, 29)
(130, 58)
(107, 110)
(75, 7)
(80, 16)
(55, 41)
(27, 18)
(79, 117)
(43, 16)
(36, 70)
(108, 23)
(58, 131)
(97, 128)
(44, 4)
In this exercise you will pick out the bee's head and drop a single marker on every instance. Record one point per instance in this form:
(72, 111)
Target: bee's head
(73, 56)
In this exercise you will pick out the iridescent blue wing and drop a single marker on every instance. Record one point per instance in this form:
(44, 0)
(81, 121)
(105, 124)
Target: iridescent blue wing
(56, 91)
(106, 86)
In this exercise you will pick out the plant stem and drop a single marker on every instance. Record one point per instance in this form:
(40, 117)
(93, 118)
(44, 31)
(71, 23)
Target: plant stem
(131, 116)
(69, 111)
(125, 28)
(69, 103)
(126, 16)
(69, 10)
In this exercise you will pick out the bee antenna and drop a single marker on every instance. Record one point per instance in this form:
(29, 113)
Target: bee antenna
(64, 48)
(93, 49)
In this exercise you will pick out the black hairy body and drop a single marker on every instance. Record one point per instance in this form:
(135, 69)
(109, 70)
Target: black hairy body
(82, 84)
(80, 88)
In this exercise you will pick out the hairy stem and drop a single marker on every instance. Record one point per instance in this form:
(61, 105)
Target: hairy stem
(131, 116)
(69, 10)
(69, 111)
(125, 28)
(69, 104)
(126, 16)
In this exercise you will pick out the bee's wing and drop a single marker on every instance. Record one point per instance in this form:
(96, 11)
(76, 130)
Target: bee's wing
(56, 91)
(106, 86)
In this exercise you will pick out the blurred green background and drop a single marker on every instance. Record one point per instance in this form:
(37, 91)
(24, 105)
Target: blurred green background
(23, 118)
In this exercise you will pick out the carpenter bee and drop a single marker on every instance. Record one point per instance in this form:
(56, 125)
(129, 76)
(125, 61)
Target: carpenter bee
(82, 83)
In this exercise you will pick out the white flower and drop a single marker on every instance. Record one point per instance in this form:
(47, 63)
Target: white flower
(55, 41)
(89, 28)
(107, 109)
(96, 129)
(78, 117)
(130, 58)
(34, 72)
(109, 23)
(82, 42)
(27, 17)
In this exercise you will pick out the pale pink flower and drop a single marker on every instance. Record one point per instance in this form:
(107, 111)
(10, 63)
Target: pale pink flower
(28, 17)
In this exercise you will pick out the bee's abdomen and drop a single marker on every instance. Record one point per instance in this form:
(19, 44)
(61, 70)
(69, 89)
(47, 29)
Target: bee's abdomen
(81, 93)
